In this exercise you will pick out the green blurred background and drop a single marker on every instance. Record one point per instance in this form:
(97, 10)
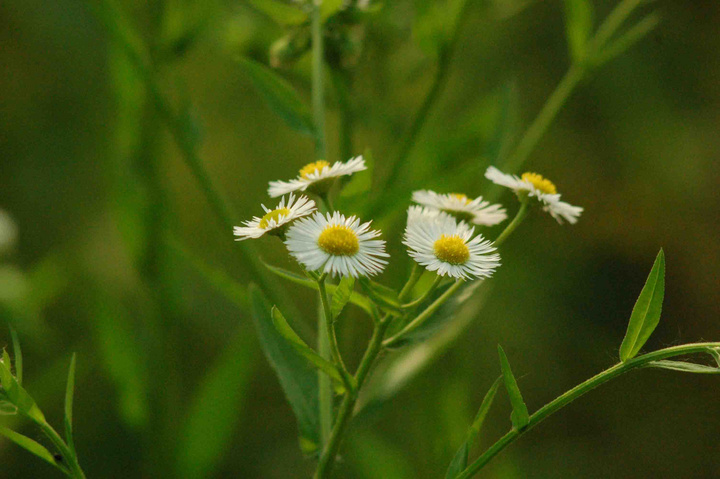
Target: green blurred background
(171, 379)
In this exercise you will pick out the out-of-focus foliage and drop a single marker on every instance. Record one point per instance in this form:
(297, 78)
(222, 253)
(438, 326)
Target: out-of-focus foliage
(93, 181)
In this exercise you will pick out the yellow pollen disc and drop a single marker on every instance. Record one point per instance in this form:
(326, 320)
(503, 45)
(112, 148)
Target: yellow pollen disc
(451, 249)
(542, 184)
(273, 215)
(461, 197)
(339, 240)
(310, 168)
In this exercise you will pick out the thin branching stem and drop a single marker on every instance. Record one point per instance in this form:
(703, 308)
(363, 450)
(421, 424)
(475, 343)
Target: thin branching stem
(332, 338)
(580, 390)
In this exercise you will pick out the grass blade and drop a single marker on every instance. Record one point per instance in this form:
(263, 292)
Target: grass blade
(18, 355)
(579, 15)
(519, 416)
(69, 395)
(685, 367)
(646, 312)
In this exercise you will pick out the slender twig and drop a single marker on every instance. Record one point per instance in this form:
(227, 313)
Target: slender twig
(571, 395)
(332, 339)
(415, 275)
(519, 217)
(425, 295)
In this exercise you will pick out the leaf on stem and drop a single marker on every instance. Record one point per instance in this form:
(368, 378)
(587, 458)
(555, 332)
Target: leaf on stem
(29, 445)
(280, 96)
(298, 380)
(646, 313)
(355, 298)
(386, 298)
(341, 296)
(459, 462)
(685, 367)
(69, 395)
(16, 394)
(18, 355)
(215, 410)
(519, 416)
(315, 360)
(579, 16)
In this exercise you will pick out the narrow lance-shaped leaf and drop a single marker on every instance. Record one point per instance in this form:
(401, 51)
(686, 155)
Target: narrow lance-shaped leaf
(578, 26)
(305, 351)
(280, 95)
(684, 367)
(18, 356)
(341, 296)
(646, 313)
(519, 416)
(29, 445)
(299, 381)
(69, 395)
(459, 462)
(16, 394)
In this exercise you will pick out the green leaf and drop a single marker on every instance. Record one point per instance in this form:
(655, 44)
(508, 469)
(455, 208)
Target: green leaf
(280, 95)
(216, 408)
(685, 367)
(459, 462)
(305, 351)
(18, 355)
(29, 445)
(386, 298)
(646, 313)
(341, 296)
(355, 298)
(69, 395)
(579, 16)
(282, 13)
(16, 394)
(297, 378)
(519, 416)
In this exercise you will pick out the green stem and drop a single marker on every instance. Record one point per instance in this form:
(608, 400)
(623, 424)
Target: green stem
(611, 24)
(546, 116)
(519, 217)
(327, 458)
(415, 275)
(68, 458)
(424, 316)
(332, 338)
(318, 88)
(425, 295)
(580, 390)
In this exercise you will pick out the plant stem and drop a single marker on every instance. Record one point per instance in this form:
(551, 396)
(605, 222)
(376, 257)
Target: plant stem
(342, 80)
(318, 88)
(519, 217)
(424, 316)
(327, 458)
(68, 458)
(425, 295)
(415, 276)
(579, 390)
(332, 338)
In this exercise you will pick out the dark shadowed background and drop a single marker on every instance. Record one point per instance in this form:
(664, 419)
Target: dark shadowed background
(93, 180)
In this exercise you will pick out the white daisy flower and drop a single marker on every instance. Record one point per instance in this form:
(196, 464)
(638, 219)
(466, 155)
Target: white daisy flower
(447, 247)
(317, 177)
(537, 186)
(275, 221)
(337, 245)
(463, 208)
(421, 213)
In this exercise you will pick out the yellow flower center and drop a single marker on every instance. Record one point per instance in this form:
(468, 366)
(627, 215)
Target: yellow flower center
(542, 184)
(451, 249)
(339, 240)
(461, 197)
(311, 168)
(273, 215)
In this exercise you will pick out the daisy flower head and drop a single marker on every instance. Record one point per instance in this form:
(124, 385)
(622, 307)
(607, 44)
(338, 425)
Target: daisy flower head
(418, 214)
(277, 220)
(447, 247)
(337, 245)
(475, 211)
(539, 187)
(317, 177)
